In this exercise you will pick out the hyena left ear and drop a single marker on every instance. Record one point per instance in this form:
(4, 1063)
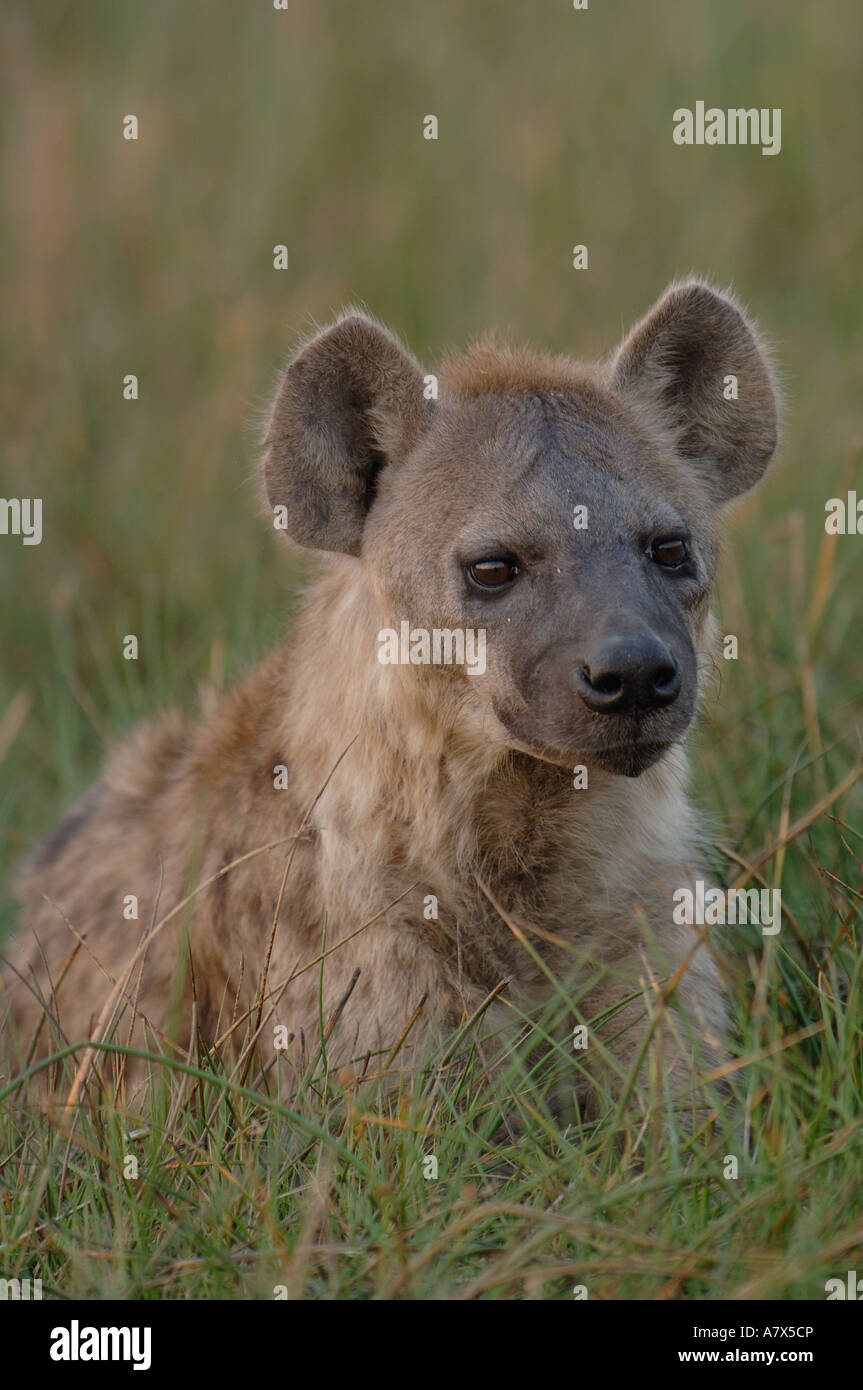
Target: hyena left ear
(349, 405)
(695, 363)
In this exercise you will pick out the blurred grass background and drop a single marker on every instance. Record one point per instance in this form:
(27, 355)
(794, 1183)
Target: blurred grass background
(305, 128)
(259, 127)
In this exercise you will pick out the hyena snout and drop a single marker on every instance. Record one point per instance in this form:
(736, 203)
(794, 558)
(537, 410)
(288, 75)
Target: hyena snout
(628, 675)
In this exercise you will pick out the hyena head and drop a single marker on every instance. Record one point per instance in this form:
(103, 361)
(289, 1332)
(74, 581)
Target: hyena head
(562, 517)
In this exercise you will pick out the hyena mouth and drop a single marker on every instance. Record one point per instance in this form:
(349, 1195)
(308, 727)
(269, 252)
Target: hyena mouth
(631, 759)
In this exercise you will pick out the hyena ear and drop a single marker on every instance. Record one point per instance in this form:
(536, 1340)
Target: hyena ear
(349, 403)
(697, 366)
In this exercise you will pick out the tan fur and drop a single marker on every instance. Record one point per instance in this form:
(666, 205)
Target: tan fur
(432, 795)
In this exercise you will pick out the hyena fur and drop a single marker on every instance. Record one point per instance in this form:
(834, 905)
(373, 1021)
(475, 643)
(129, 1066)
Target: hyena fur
(417, 784)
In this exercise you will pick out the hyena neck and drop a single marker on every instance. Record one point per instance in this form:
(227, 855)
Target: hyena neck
(449, 798)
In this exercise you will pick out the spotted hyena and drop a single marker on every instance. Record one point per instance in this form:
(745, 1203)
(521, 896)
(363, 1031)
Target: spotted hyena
(466, 764)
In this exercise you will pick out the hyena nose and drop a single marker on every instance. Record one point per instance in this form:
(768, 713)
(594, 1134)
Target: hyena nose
(629, 676)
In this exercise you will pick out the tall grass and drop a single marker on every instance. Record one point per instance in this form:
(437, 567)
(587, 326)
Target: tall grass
(155, 257)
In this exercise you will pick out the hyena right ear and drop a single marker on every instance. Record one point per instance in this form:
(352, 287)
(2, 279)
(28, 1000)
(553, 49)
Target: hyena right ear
(696, 364)
(350, 403)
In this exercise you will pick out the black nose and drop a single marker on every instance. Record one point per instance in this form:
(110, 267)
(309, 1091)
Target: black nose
(629, 675)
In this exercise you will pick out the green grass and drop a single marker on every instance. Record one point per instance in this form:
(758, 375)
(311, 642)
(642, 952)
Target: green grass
(231, 1184)
(156, 258)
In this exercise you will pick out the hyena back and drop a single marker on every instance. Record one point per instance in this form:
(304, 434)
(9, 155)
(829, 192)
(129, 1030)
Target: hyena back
(436, 819)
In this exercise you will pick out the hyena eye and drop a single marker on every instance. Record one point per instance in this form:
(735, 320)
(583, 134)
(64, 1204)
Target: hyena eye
(492, 574)
(670, 554)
